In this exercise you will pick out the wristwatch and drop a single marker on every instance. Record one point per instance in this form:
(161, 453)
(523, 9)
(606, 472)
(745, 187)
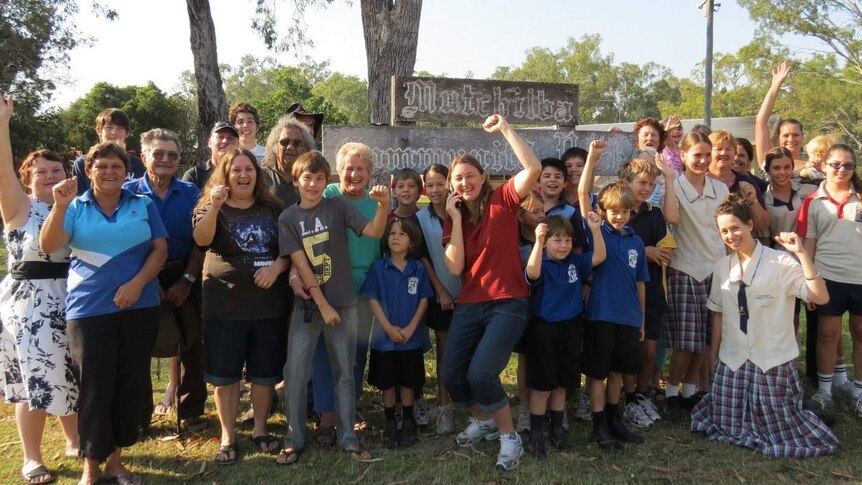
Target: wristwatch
(190, 278)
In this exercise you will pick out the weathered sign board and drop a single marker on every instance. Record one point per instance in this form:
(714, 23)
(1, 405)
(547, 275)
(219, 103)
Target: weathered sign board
(417, 99)
(397, 147)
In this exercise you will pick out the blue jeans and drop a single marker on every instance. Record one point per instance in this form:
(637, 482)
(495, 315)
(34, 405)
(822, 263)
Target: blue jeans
(480, 342)
(340, 341)
(321, 371)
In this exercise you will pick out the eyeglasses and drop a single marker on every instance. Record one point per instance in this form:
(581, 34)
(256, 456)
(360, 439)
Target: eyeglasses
(158, 155)
(838, 166)
(286, 142)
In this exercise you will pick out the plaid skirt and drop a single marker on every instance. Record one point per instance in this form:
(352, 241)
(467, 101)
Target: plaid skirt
(688, 319)
(762, 411)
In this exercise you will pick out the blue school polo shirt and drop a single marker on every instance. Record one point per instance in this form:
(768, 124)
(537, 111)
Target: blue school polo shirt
(614, 294)
(558, 294)
(175, 210)
(399, 293)
(579, 238)
(108, 250)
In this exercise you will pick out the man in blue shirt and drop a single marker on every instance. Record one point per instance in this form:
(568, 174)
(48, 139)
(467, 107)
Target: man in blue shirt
(178, 280)
(111, 125)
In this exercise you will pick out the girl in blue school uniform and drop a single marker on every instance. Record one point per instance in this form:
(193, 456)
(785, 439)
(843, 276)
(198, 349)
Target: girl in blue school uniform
(398, 289)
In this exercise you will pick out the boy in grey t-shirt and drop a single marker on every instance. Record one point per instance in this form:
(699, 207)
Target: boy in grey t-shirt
(313, 234)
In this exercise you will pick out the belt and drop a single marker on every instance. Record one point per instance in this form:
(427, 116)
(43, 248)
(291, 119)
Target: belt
(38, 270)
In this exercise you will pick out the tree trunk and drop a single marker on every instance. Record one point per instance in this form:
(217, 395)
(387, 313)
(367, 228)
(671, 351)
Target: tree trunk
(212, 105)
(391, 35)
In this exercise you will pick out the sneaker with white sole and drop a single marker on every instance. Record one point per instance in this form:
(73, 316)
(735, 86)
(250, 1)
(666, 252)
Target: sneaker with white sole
(820, 401)
(636, 416)
(477, 431)
(844, 390)
(649, 407)
(583, 411)
(511, 451)
(859, 407)
(444, 419)
(420, 412)
(523, 419)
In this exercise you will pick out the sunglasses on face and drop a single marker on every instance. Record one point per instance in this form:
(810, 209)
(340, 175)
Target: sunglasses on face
(286, 142)
(838, 166)
(159, 155)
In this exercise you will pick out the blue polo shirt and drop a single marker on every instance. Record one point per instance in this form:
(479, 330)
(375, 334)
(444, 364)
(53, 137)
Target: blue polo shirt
(614, 294)
(558, 294)
(399, 293)
(108, 250)
(175, 210)
(579, 238)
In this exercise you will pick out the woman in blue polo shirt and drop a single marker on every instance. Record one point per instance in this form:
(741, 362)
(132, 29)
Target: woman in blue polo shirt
(118, 246)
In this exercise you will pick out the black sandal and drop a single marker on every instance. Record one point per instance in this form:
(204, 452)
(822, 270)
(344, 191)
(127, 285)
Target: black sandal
(37, 474)
(227, 451)
(266, 444)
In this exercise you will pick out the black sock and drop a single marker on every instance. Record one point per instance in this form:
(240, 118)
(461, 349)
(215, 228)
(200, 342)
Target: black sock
(630, 397)
(598, 417)
(390, 413)
(556, 419)
(537, 423)
(408, 411)
(612, 409)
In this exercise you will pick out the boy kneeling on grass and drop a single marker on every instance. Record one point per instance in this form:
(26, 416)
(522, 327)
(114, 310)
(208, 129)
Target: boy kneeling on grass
(556, 328)
(314, 234)
(615, 310)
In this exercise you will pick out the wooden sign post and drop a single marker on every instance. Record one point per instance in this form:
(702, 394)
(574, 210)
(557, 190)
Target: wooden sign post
(418, 99)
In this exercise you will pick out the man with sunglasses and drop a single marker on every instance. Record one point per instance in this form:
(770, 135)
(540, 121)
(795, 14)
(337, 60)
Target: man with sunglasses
(179, 278)
(286, 142)
(223, 137)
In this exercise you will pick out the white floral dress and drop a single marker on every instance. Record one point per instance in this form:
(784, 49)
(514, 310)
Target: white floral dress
(34, 357)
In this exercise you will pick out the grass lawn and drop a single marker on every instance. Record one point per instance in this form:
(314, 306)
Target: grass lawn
(671, 454)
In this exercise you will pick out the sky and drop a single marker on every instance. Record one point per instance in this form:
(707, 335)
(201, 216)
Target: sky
(150, 40)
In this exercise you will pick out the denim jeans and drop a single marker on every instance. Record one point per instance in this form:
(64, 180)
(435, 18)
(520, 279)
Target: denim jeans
(340, 341)
(480, 342)
(321, 371)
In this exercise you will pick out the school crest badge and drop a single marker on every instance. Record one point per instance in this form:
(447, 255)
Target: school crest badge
(412, 285)
(633, 258)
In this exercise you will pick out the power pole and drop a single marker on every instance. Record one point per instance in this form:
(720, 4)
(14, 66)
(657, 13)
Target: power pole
(709, 7)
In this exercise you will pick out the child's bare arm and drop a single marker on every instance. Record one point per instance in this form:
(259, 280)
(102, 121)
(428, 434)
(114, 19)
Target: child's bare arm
(391, 330)
(442, 293)
(408, 331)
(534, 263)
(303, 268)
(375, 228)
(585, 186)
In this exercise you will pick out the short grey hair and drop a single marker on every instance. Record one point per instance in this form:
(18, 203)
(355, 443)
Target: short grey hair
(270, 159)
(361, 149)
(148, 137)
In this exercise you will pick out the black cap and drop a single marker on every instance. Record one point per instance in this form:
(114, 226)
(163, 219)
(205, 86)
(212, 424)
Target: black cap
(296, 110)
(224, 125)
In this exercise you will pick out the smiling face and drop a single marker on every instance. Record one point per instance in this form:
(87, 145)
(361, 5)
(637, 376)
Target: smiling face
(780, 171)
(675, 134)
(467, 180)
(406, 192)
(161, 158)
(735, 233)
(723, 156)
(242, 178)
(44, 174)
(220, 142)
(697, 158)
(790, 137)
(310, 186)
(839, 167)
(551, 182)
(617, 218)
(642, 186)
(558, 246)
(435, 188)
(648, 136)
(574, 169)
(741, 163)
(247, 127)
(107, 175)
(354, 175)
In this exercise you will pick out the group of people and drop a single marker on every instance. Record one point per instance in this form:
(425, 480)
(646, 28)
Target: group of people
(276, 276)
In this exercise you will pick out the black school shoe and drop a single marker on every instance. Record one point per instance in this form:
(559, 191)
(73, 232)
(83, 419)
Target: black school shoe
(537, 444)
(560, 440)
(391, 435)
(619, 431)
(690, 402)
(602, 437)
(408, 431)
(673, 407)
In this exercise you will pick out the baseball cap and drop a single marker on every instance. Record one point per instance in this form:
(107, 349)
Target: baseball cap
(224, 125)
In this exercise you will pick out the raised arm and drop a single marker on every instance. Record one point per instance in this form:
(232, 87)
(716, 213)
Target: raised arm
(534, 262)
(526, 179)
(585, 186)
(762, 140)
(454, 252)
(817, 292)
(53, 236)
(600, 253)
(375, 228)
(14, 203)
(205, 229)
(670, 208)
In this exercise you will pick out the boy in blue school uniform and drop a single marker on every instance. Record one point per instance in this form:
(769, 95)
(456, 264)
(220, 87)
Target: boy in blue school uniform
(556, 326)
(615, 311)
(398, 289)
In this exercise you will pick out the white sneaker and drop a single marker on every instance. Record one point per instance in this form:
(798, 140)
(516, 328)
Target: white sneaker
(822, 400)
(583, 411)
(649, 408)
(636, 416)
(859, 407)
(844, 390)
(420, 412)
(511, 451)
(477, 431)
(523, 415)
(444, 419)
